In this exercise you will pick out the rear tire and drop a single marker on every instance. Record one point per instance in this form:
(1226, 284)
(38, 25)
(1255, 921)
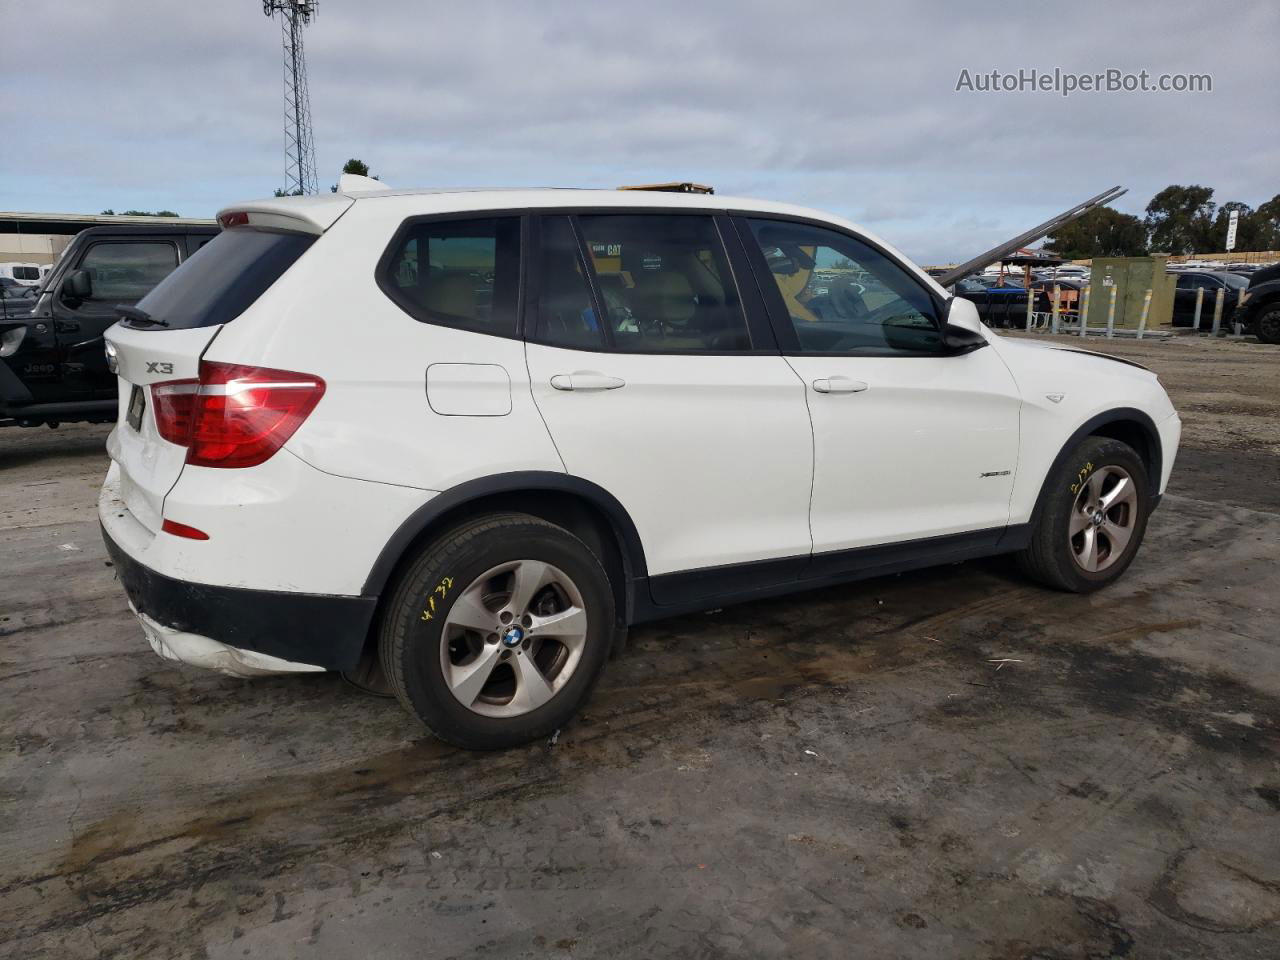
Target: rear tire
(497, 631)
(1092, 518)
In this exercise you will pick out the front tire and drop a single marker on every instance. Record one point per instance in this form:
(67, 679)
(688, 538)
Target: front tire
(1092, 519)
(1267, 323)
(497, 631)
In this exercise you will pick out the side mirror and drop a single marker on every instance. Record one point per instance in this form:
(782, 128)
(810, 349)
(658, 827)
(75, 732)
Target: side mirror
(78, 285)
(963, 332)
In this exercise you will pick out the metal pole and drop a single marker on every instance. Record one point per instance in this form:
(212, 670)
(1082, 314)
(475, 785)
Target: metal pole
(1217, 311)
(1142, 322)
(1111, 315)
(1084, 311)
(1053, 326)
(1031, 299)
(1195, 322)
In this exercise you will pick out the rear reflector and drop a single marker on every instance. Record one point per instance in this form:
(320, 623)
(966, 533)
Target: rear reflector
(234, 415)
(182, 530)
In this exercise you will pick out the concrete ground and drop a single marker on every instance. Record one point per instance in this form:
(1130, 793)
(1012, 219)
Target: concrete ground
(851, 772)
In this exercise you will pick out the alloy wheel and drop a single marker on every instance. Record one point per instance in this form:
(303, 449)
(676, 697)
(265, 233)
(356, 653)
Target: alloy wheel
(1103, 518)
(513, 638)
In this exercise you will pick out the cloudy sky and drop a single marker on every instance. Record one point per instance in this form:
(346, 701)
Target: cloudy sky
(848, 107)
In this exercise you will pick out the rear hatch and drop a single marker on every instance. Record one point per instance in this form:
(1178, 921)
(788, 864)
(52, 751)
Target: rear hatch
(158, 346)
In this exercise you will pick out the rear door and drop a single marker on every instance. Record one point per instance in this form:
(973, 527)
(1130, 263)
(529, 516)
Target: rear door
(120, 271)
(657, 387)
(193, 303)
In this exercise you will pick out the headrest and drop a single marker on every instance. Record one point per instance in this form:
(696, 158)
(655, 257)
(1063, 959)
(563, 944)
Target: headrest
(453, 294)
(667, 294)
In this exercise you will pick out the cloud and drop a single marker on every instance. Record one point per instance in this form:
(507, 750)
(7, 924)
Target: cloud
(847, 107)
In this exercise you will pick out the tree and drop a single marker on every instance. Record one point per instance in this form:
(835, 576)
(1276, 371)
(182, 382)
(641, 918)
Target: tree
(359, 168)
(140, 213)
(1180, 220)
(281, 192)
(1246, 230)
(1102, 232)
(1265, 225)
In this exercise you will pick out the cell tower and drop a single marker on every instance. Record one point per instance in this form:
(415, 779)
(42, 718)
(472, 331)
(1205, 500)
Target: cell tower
(299, 148)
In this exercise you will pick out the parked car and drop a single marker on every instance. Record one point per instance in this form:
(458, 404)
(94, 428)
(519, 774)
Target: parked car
(1184, 296)
(1260, 311)
(52, 366)
(27, 274)
(473, 436)
(999, 304)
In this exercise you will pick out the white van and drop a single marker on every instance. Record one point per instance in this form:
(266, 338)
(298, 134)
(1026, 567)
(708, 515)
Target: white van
(28, 274)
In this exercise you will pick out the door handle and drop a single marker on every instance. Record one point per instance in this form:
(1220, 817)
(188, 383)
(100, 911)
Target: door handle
(839, 385)
(586, 380)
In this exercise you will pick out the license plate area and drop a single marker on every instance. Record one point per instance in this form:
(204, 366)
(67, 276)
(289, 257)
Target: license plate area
(137, 405)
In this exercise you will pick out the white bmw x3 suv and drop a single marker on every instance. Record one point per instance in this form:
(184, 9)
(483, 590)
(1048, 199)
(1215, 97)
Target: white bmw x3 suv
(471, 437)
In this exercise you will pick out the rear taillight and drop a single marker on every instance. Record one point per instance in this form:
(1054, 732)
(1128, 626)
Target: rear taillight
(173, 402)
(234, 415)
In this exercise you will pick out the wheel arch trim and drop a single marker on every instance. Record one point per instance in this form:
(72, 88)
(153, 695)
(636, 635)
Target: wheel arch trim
(531, 481)
(1154, 453)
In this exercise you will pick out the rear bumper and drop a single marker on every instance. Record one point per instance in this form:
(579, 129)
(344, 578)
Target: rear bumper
(190, 621)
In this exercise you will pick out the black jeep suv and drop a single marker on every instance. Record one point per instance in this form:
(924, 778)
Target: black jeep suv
(53, 368)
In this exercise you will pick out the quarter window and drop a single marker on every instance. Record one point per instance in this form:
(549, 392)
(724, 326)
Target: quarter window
(663, 283)
(843, 296)
(458, 273)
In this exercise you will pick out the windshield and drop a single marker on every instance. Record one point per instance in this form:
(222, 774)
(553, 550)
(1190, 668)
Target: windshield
(220, 280)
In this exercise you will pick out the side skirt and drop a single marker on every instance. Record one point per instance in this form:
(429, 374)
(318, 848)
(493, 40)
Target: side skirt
(689, 591)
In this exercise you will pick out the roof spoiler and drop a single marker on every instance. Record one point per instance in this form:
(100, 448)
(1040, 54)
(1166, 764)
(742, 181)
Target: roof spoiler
(1035, 233)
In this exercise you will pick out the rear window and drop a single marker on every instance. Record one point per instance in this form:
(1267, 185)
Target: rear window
(221, 279)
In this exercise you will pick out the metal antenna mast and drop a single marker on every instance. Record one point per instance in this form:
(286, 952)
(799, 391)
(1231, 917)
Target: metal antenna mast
(299, 148)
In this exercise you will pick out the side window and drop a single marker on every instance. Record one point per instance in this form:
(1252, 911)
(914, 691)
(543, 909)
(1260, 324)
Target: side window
(457, 273)
(1186, 282)
(566, 314)
(125, 272)
(664, 284)
(844, 296)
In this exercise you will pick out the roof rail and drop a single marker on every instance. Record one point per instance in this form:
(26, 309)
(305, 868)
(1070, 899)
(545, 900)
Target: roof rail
(673, 187)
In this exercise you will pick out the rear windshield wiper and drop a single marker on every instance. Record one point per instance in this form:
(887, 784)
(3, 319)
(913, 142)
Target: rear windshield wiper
(139, 316)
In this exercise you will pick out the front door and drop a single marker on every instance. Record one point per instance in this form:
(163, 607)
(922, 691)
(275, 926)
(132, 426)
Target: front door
(119, 272)
(910, 442)
(656, 387)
